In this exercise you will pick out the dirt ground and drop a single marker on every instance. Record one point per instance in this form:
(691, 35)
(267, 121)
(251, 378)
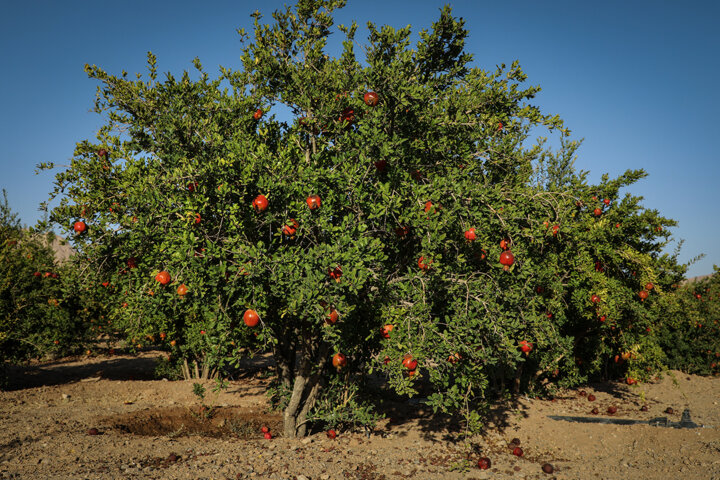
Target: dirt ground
(156, 429)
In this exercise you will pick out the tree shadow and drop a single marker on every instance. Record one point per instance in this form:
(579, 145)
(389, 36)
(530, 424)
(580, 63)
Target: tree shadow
(614, 389)
(75, 369)
(406, 414)
(121, 366)
(251, 367)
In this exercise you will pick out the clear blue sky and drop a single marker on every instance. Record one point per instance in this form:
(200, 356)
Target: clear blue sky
(637, 80)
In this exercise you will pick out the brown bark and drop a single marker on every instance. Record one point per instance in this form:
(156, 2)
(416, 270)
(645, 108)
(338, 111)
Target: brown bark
(284, 355)
(186, 370)
(516, 380)
(305, 386)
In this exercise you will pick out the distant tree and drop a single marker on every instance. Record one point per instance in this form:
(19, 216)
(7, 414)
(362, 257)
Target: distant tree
(37, 314)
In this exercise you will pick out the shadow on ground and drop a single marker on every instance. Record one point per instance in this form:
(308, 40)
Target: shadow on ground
(74, 369)
(402, 414)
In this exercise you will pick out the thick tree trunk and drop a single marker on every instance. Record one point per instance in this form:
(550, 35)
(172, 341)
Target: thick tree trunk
(305, 387)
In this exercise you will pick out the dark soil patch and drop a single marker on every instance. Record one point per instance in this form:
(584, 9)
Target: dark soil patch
(220, 422)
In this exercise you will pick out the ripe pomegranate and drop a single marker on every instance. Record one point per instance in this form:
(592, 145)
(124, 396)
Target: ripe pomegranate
(333, 317)
(507, 259)
(313, 202)
(470, 234)
(163, 277)
(386, 329)
(79, 227)
(597, 212)
(339, 360)
(409, 362)
(371, 99)
(643, 294)
(251, 318)
(424, 264)
(260, 203)
(290, 228)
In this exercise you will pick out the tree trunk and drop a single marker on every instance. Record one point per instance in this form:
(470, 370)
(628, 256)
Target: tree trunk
(284, 355)
(517, 379)
(305, 387)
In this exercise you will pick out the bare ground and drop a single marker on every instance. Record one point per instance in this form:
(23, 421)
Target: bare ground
(156, 429)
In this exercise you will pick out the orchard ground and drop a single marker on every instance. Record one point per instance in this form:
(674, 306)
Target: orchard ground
(49, 409)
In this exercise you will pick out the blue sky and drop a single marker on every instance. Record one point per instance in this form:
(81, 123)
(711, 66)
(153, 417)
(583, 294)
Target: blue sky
(636, 80)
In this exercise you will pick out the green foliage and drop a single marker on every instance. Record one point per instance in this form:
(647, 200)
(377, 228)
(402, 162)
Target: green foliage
(199, 391)
(345, 404)
(690, 334)
(166, 368)
(42, 313)
(171, 180)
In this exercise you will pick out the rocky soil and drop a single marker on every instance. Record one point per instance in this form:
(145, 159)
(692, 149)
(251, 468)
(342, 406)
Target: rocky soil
(157, 429)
